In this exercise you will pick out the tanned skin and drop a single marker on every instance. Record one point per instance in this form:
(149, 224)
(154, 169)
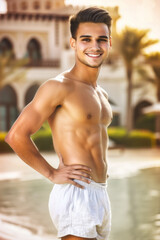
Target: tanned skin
(78, 113)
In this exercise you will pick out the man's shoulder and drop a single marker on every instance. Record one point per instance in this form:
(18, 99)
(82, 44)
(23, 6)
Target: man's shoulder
(53, 91)
(103, 91)
(56, 84)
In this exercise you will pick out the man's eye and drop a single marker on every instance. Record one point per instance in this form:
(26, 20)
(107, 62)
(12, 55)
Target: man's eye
(86, 40)
(103, 40)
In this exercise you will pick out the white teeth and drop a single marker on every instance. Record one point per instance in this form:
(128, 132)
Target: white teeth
(93, 55)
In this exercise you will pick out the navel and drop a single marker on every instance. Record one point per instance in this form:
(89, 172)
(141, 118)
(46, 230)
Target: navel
(89, 116)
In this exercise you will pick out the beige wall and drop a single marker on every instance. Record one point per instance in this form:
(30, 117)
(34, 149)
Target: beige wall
(20, 32)
(16, 5)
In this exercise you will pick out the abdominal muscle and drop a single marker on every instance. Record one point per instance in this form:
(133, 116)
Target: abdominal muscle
(83, 145)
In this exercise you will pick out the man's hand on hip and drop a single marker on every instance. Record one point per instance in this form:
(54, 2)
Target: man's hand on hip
(69, 173)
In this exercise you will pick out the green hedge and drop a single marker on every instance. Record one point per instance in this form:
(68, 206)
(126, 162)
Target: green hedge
(140, 138)
(4, 147)
(117, 134)
(134, 139)
(43, 140)
(147, 122)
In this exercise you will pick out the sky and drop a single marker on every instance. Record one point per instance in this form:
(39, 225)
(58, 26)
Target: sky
(2, 6)
(142, 14)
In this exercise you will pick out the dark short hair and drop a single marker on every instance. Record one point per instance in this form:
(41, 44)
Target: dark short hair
(92, 14)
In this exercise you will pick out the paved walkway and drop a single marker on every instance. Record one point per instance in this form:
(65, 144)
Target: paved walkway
(12, 167)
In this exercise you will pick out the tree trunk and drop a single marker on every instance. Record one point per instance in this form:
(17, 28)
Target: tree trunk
(129, 114)
(158, 90)
(158, 116)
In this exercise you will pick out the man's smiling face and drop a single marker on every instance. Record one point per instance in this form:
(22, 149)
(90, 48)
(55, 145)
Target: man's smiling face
(92, 44)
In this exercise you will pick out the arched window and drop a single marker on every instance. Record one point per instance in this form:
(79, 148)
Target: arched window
(48, 5)
(24, 5)
(8, 108)
(6, 47)
(36, 5)
(30, 93)
(34, 50)
(14, 7)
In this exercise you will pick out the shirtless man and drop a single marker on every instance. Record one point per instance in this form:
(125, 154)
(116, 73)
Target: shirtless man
(78, 112)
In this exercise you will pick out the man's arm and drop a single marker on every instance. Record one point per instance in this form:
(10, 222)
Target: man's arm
(48, 97)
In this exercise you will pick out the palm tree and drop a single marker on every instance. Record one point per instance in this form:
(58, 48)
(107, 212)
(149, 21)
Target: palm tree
(11, 69)
(130, 43)
(154, 60)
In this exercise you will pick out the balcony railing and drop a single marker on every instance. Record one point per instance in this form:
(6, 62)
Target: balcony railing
(44, 63)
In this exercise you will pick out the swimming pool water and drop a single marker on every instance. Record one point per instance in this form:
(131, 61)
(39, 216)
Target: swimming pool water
(135, 202)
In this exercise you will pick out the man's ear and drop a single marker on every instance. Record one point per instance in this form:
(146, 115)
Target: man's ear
(72, 43)
(110, 42)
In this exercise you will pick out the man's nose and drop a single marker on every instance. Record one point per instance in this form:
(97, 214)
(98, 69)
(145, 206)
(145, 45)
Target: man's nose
(95, 45)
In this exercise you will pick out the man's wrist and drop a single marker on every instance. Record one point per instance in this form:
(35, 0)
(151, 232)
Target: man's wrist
(51, 174)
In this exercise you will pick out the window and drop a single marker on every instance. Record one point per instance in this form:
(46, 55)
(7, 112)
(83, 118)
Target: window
(65, 35)
(30, 93)
(48, 5)
(56, 32)
(8, 108)
(36, 5)
(116, 115)
(14, 7)
(6, 47)
(24, 5)
(34, 50)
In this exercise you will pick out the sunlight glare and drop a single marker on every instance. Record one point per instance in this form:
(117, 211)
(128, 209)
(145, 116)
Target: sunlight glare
(3, 6)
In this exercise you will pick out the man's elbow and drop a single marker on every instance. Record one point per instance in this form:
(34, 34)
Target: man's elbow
(11, 138)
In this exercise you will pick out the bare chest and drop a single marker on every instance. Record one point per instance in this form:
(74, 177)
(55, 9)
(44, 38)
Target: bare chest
(89, 106)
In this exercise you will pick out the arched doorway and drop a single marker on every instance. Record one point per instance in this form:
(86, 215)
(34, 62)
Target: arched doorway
(141, 120)
(30, 93)
(8, 108)
(34, 51)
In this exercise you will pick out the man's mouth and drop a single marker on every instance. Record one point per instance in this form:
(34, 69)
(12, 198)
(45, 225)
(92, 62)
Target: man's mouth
(94, 55)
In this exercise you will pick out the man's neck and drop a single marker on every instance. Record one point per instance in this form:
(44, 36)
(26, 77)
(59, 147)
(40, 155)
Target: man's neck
(87, 75)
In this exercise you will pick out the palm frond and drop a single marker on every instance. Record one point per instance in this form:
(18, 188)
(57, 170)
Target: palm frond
(131, 42)
(11, 69)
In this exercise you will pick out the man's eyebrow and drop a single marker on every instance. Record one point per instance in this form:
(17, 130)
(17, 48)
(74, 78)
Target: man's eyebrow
(82, 36)
(104, 36)
(89, 36)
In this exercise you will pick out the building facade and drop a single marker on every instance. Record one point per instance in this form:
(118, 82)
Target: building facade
(38, 30)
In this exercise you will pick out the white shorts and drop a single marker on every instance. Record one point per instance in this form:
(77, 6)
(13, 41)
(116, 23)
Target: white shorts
(80, 212)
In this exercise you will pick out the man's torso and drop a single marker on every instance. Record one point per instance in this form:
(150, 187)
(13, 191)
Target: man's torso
(79, 127)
